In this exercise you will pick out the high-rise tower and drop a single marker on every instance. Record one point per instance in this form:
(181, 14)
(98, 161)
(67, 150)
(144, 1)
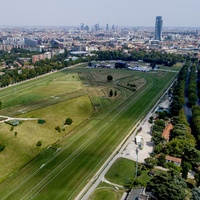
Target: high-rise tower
(158, 28)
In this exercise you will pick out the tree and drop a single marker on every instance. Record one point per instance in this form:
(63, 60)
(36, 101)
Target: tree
(90, 64)
(192, 98)
(153, 65)
(131, 183)
(168, 185)
(160, 123)
(111, 93)
(57, 128)
(161, 159)
(68, 121)
(2, 147)
(150, 119)
(0, 104)
(150, 162)
(191, 155)
(109, 78)
(157, 137)
(186, 166)
(195, 194)
(158, 148)
(197, 178)
(162, 115)
(39, 143)
(178, 147)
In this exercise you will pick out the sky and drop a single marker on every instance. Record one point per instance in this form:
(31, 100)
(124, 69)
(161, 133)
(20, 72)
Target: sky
(136, 13)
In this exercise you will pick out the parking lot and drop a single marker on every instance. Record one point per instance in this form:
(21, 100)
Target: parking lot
(130, 150)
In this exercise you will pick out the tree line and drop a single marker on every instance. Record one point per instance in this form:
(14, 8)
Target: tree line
(58, 62)
(148, 57)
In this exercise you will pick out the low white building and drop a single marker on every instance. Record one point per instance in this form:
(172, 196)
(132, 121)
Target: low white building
(138, 140)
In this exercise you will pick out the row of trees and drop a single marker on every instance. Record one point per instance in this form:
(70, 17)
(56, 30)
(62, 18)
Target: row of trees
(149, 57)
(192, 86)
(196, 122)
(182, 144)
(179, 90)
(18, 75)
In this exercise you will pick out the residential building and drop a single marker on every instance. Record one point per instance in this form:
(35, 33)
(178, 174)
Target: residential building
(47, 55)
(137, 193)
(176, 161)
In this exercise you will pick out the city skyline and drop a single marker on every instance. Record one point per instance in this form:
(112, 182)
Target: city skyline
(179, 13)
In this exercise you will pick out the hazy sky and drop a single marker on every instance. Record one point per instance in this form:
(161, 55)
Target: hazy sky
(119, 12)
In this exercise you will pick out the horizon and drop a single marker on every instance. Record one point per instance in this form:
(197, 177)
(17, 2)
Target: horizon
(101, 26)
(129, 13)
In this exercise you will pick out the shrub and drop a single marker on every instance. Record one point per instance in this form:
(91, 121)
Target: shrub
(2, 147)
(109, 78)
(39, 143)
(58, 128)
(41, 121)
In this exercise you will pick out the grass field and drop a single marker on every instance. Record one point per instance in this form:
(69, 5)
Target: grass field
(39, 89)
(124, 169)
(105, 193)
(59, 172)
(22, 148)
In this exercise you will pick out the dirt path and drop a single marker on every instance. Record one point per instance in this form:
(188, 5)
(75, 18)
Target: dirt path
(6, 118)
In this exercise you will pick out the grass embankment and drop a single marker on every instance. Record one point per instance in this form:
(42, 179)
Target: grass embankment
(66, 171)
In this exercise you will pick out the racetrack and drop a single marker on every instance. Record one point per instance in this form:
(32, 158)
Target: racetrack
(62, 173)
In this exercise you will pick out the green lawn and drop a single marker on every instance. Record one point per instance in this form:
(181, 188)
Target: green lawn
(39, 89)
(63, 169)
(105, 193)
(22, 148)
(124, 169)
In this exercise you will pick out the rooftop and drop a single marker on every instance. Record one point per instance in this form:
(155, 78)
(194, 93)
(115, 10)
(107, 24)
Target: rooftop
(174, 159)
(166, 131)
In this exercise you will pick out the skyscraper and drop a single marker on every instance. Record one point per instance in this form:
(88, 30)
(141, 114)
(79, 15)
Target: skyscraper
(158, 28)
(107, 27)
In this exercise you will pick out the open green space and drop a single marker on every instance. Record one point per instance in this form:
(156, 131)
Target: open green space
(22, 147)
(63, 169)
(39, 89)
(105, 193)
(124, 169)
